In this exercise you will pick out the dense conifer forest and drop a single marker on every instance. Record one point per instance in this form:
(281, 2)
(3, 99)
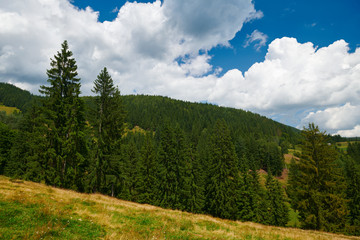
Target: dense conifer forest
(194, 157)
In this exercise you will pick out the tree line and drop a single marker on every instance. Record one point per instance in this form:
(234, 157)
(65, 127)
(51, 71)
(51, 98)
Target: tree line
(202, 166)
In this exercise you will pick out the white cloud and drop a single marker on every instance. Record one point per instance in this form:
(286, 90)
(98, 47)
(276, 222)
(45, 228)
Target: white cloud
(344, 117)
(258, 37)
(295, 75)
(355, 132)
(143, 37)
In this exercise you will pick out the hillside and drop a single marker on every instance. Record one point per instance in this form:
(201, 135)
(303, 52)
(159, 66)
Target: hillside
(12, 96)
(36, 211)
(8, 110)
(151, 112)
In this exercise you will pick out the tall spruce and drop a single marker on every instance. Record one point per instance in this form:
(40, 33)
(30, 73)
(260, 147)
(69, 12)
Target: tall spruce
(316, 187)
(168, 169)
(64, 117)
(108, 126)
(278, 210)
(222, 187)
(353, 194)
(148, 171)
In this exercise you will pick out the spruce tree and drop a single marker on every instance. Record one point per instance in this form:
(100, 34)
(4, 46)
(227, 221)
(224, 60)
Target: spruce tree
(63, 110)
(148, 171)
(130, 172)
(316, 187)
(108, 126)
(168, 170)
(353, 194)
(222, 188)
(278, 210)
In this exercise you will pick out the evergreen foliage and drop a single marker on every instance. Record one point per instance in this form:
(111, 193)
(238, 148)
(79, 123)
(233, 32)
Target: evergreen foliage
(168, 169)
(222, 187)
(15, 97)
(108, 126)
(316, 184)
(63, 114)
(352, 169)
(278, 210)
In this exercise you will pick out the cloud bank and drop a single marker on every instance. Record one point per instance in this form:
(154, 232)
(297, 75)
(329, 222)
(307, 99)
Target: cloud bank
(161, 49)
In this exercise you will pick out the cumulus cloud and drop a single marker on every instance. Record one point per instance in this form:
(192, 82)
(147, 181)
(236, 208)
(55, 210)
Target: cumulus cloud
(258, 37)
(344, 117)
(143, 37)
(355, 132)
(294, 75)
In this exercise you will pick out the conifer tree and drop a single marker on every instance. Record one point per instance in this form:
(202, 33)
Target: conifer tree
(353, 194)
(6, 136)
(201, 163)
(222, 188)
(130, 172)
(168, 170)
(64, 116)
(108, 126)
(148, 171)
(316, 187)
(278, 210)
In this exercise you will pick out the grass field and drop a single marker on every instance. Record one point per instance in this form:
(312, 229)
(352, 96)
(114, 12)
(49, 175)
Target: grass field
(8, 110)
(35, 211)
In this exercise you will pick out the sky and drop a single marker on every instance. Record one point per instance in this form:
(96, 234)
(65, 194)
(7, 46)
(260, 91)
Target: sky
(294, 61)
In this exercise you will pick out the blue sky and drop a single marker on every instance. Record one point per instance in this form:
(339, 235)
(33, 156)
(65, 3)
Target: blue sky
(295, 61)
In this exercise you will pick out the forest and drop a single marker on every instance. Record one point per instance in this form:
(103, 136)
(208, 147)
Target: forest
(194, 157)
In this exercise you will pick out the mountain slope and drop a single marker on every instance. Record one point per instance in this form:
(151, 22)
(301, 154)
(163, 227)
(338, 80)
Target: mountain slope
(35, 211)
(13, 96)
(151, 112)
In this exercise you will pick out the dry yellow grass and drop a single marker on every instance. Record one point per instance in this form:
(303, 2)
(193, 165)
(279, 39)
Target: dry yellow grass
(8, 110)
(128, 220)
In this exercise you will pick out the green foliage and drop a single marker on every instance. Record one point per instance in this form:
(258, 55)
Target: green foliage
(12, 96)
(222, 187)
(6, 142)
(168, 169)
(107, 124)
(352, 169)
(63, 114)
(278, 210)
(316, 184)
(151, 112)
(148, 170)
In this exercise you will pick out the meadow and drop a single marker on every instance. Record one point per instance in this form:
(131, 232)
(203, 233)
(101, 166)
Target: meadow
(35, 211)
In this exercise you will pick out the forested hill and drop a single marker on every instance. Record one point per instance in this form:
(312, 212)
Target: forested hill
(151, 112)
(13, 96)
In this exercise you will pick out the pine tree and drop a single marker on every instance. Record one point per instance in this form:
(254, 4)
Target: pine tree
(108, 127)
(353, 194)
(222, 188)
(130, 172)
(168, 170)
(148, 171)
(6, 142)
(316, 187)
(278, 210)
(64, 114)
(195, 202)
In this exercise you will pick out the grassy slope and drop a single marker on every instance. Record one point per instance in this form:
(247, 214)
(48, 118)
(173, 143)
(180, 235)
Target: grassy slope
(8, 110)
(35, 211)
